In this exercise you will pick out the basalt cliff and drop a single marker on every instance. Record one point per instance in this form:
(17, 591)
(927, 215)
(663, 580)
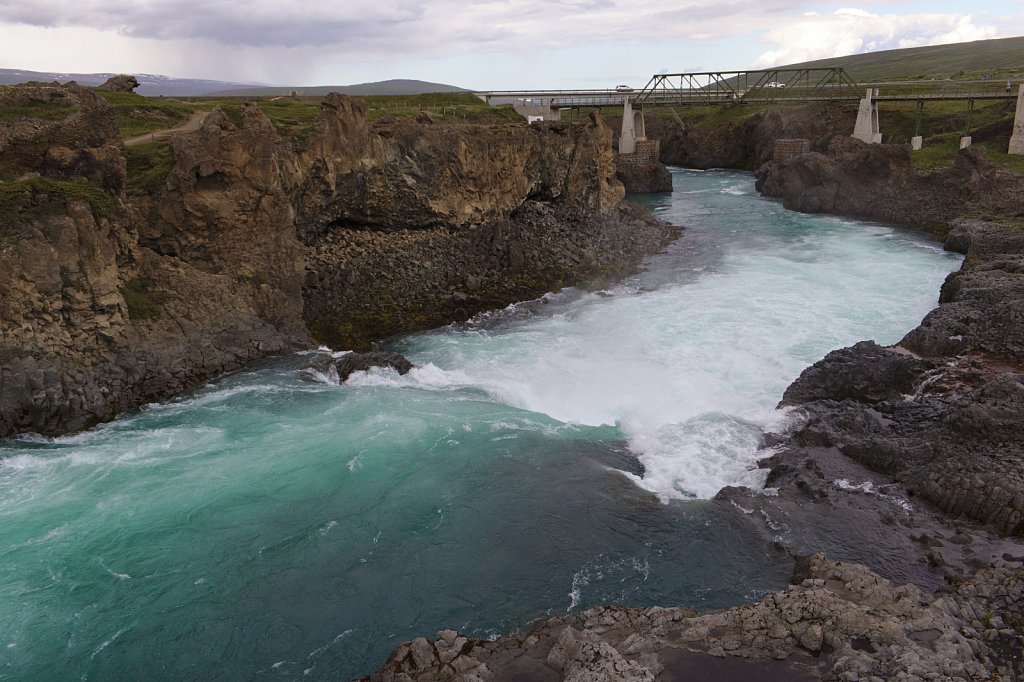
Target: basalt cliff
(253, 245)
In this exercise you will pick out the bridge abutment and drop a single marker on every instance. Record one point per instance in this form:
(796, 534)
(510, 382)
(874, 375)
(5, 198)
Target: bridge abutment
(866, 127)
(1017, 139)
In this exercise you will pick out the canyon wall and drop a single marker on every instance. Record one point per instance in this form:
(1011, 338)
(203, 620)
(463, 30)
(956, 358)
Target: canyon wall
(253, 245)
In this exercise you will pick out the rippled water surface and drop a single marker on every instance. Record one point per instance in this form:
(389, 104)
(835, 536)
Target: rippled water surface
(542, 459)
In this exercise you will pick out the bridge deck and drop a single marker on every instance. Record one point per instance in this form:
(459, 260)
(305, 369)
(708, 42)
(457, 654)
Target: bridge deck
(772, 86)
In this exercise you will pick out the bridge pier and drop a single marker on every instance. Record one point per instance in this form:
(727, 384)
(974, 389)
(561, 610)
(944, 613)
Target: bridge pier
(866, 127)
(633, 129)
(1017, 139)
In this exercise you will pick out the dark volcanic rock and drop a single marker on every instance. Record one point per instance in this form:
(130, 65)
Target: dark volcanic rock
(121, 83)
(644, 178)
(948, 428)
(361, 362)
(865, 372)
(879, 182)
(983, 303)
(837, 621)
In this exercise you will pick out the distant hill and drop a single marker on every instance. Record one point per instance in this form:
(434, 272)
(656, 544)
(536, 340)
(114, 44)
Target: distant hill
(388, 87)
(1000, 58)
(152, 85)
(149, 84)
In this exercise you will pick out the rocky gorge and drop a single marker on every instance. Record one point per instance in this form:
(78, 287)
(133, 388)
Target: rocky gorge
(916, 447)
(251, 245)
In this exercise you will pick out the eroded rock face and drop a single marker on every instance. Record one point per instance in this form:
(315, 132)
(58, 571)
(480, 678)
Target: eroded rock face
(879, 182)
(837, 621)
(982, 304)
(108, 301)
(644, 178)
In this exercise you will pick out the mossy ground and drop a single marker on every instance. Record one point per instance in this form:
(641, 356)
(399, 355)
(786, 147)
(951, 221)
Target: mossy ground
(35, 198)
(149, 164)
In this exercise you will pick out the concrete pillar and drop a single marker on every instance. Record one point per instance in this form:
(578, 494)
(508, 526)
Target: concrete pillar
(965, 142)
(1017, 139)
(916, 142)
(866, 127)
(627, 138)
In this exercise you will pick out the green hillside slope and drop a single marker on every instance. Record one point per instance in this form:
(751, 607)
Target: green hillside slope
(1000, 58)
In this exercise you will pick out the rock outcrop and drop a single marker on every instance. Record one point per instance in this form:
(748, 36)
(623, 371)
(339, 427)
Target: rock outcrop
(879, 182)
(941, 413)
(120, 83)
(837, 621)
(643, 178)
(361, 362)
(252, 244)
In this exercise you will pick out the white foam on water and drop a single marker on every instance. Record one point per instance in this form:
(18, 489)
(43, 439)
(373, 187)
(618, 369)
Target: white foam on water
(691, 371)
(869, 488)
(426, 377)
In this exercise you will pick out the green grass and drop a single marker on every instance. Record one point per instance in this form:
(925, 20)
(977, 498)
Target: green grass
(36, 198)
(898, 120)
(999, 59)
(1013, 162)
(137, 115)
(47, 112)
(941, 153)
(453, 107)
(936, 154)
(293, 119)
(149, 164)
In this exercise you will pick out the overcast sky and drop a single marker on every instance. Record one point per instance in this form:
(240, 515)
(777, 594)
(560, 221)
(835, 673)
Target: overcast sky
(478, 44)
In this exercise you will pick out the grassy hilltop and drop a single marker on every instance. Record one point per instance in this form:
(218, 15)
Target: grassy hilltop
(997, 59)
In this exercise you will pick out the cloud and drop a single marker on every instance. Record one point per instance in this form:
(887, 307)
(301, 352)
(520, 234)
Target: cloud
(490, 41)
(852, 31)
(374, 27)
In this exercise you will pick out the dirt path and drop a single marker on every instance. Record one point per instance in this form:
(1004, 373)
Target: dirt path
(193, 123)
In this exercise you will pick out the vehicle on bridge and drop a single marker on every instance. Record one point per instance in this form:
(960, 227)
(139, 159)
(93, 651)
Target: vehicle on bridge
(623, 88)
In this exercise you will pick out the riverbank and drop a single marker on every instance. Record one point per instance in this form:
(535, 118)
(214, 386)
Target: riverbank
(918, 447)
(136, 273)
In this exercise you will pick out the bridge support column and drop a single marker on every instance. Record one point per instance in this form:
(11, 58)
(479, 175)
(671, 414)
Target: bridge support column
(633, 129)
(1017, 139)
(866, 127)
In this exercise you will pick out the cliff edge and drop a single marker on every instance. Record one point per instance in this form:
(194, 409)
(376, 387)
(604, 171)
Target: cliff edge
(248, 244)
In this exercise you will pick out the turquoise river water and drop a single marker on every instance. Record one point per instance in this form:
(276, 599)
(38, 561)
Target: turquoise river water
(544, 458)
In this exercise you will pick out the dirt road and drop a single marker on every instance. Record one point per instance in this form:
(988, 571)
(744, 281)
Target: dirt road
(193, 123)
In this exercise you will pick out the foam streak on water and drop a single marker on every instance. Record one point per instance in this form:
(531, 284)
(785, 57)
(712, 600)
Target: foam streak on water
(548, 457)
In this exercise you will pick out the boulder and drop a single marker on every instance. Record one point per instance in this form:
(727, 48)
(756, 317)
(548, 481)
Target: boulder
(361, 362)
(643, 178)
(865, 372)
(121, 83)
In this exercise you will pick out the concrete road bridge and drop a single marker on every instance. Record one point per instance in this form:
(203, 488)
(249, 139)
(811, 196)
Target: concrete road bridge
(764, 87)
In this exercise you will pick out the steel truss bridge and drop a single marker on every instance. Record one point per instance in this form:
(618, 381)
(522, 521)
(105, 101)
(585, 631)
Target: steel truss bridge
(769, 86)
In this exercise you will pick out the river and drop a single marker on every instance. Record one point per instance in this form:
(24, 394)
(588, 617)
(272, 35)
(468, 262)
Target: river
(541, 459)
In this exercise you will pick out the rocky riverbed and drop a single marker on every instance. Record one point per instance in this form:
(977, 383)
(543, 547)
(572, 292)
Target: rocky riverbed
(915, 451)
